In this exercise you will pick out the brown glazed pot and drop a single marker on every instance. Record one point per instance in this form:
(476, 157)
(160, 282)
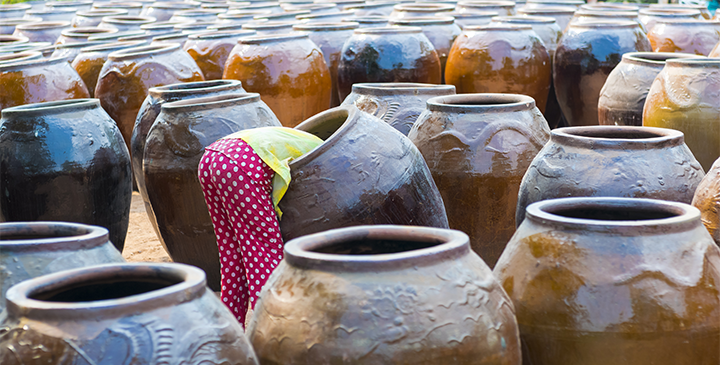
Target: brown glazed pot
(707, 199)
(90, 61)
(478, 147)
(685, 36)
(622, 98)
(125, 314)
(64, 161)
(622, 161)
(287, 70)
(41, 31)
(586, 55)
(127, 75)
(387, 54)
(383, 295)
(173, 148)
(210, 50)
(396, 103)
(32, 249)
(614, 281)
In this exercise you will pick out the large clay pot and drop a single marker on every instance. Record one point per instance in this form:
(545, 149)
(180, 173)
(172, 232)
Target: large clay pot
(64, 161)
(586, 55)
(287, 70)
(32, 249)
(210, 50)
(707, 199)
(614, 281)
(649, 17)
(623, 161)
(365, 172)
(41, 31)
(500, 58)
(685, 35)
(127, 75)
(90, 61)
(387, 54)
(682, 97)
(622, 98)
(383, 295)
(137, 314)
(397, 104)
(478, 147)
(173, 148)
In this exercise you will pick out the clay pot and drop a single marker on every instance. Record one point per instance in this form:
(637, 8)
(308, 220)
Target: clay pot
(90, 61)
(703, 9)
(32, 249)
(623, 161)
(401, 11)
(622, 98)
(288, 71)
(210, 50)
(124, 23)
(7, 26)
(163, 11)
(407, 295)
(127, 75)
(41, 31)
(472, 18)
(649, 17)
(614, 281)
(270, 28)
(685, 36)
(13, 10)
(586, 55)
(389, 54)
(122, 314)
(80, 35)
(562, 15)
(682, 97)
(707, 199)
(133, 8)
(92, 18)
(397, 104)
(173, 148)
(500, 58)
(478, 148)
(65, 161)
(501, 7)
(365, 172)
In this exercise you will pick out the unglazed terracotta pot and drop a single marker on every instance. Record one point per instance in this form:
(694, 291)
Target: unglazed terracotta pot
(121, 314)
(173, 148)
(288, 71)
(586, 55)
(614, 281)
(707, 199)
(90, 61)
(623, 161)
(64, 161)
(649, 17)
(32, 249)
(500, 58)
(397, 104)
(478, 147)
(210, 50)
(91, 18)
(383, 295)
(44, 31)
(127, 75)
(387, 54)
(685, 35)
(365, 172)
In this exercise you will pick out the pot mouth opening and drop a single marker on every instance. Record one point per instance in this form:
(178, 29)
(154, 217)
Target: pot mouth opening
(112, 46)
(104, 288)
(20, 56)
(606, 23)
(40, 232)
(40, 236)
(485, 102)
(325, 124)
(50, 107)
(610, 213)
(212, 102)
(423, 20)
(548, 10)
(617, 137)
(402, 88)
(42, 25)
(525, 19)
(86, 31)
(284, 15)
(222, 34)
(369, 247)
(124, 19)
(100, 13)
(669, 12)
(188, 87)
(318, 26)
(500, 26)
(613, 133)
(271, 38)
(116, 35)
(658, 58)
(388, 30)
(130, 53)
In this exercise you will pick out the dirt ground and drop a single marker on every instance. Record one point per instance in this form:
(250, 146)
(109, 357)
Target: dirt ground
(142, 244)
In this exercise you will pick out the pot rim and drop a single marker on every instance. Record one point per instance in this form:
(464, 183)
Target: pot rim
(483, 102)
(198, 12)
(190, 25)
(423, 7)
(423, 20)
(89, 236)
(450, 244)
(260, 39)
(184, 89)
(322, 27)
(52, 11)
(685, 21)
(118, 5)
(79, 45)
(499, 27)
(311, 16)
(18, 21)
(403, 88)
(548, 10)
(130, 53)
(112, 46)
(164, 39)
(128, 19)
(287, 14)
(210, 102)
(100, 13)
(172, 5)
(585, 137)
(370, 19)
(25, 47)
(269, 25)
(85, 32)
(474, 14)
(43, 25)
(697, 61)
(610, 7)
(19, 57)
(221, 34)
(388, 30)
(656, 59)
(677, 6)
(374, 5)
(606, 23)
(529, 19)
(606, 13)
(14, 7)
(191, 285)
(350, 112)
(485, 4)
(30, 63)
(118, 35)
(569, 2)
(681, 12)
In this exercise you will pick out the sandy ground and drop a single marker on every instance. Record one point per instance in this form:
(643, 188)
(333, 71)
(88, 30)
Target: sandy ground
(142, 244)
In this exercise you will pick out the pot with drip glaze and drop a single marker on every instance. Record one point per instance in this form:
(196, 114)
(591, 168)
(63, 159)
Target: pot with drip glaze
(383, 295)
(685, 36)
(210, 50)
(91, 59)
(614, 281)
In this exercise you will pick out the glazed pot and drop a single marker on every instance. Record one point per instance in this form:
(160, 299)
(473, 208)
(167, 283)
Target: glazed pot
(682, 97)
(65, 161)
(173, 148)
(80, 35)
(580, 70)
(649, 17)
(13, 10)
(614, 281)
(41, 31)
(127, 75)
(124, 23)
(397, 104)
(7, 26)
(365, 172)
(122, 314)
(501, 7)
(474, 18)
(707, 199)
(330, 37)
(401, 11)
(163, 11)
(90, 61)
(685, 35)
(500, 58)
(562, 15)
(288, 71)
(210, 50)
(623, 161)
(622, 98)
(388, 54)
(92, 18)
(404, 295)
(478, 147)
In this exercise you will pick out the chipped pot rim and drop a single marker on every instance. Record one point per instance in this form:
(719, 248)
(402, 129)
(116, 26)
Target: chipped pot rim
(76, 236)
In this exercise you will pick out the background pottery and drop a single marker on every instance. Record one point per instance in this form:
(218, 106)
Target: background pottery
(685, 36)
(707, 199)
(210, 50)
(89, 62)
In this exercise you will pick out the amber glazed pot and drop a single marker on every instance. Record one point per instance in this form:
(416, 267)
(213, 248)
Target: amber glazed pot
(365, 172)
(614, 281)
(685, 35)
(121, 314)
(682, 97)
(173, 148)
(288, 71)
(398, 104)
(383, 295)
(478, 147)
(91, 59)
(210, 50)
(623, 161)
(707, 199)
(500, 58)
(387, 54)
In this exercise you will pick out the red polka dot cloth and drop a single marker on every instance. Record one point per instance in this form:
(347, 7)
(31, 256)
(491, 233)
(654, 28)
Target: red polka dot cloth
(237, 185)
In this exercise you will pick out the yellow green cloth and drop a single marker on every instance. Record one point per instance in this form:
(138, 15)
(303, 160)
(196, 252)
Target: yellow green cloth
(277, 146)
